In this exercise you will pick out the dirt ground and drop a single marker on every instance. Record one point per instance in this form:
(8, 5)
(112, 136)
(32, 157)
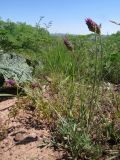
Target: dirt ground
(21, 138)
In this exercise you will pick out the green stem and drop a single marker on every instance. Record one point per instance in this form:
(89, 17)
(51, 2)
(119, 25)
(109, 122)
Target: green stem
(101, 60)
(94, 81)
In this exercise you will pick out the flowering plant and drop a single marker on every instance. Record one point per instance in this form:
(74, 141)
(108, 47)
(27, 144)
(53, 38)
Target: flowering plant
(68, 44)
(93, 27)
(10, 83)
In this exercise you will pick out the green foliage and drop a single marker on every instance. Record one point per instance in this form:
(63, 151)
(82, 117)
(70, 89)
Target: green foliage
(112, 68)
(59, 60)
(17, 36)
(15, 67)
(113, 133)
(75, 140)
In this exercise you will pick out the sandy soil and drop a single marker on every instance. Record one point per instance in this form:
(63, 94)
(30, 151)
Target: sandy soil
(22, 138)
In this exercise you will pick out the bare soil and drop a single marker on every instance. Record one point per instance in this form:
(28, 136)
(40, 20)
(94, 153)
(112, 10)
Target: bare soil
(22, 137)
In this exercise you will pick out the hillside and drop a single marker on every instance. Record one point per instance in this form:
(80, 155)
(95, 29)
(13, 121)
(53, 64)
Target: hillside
(65, 91)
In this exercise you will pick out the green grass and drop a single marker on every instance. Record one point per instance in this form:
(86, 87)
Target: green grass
(76, 103)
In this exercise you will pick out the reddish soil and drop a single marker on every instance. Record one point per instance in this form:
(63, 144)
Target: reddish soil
(23, 138)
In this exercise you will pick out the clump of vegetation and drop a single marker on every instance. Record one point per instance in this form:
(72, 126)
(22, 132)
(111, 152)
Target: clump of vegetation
(75, 91)
(15, 67)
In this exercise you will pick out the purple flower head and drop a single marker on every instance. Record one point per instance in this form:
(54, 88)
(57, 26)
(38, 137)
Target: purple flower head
(68, 44)
(93, 27)
(10, 83)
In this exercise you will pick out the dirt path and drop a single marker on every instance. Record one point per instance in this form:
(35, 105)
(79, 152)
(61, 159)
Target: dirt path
(22, 138)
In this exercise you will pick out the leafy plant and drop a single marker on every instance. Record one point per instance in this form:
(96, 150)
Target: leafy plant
(15, 67)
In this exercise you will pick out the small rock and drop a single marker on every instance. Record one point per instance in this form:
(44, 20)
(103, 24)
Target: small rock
(18, 137)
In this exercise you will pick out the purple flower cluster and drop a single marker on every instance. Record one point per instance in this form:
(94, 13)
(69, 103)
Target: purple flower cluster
(68, 44)
(92, 26)
(10, 83)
